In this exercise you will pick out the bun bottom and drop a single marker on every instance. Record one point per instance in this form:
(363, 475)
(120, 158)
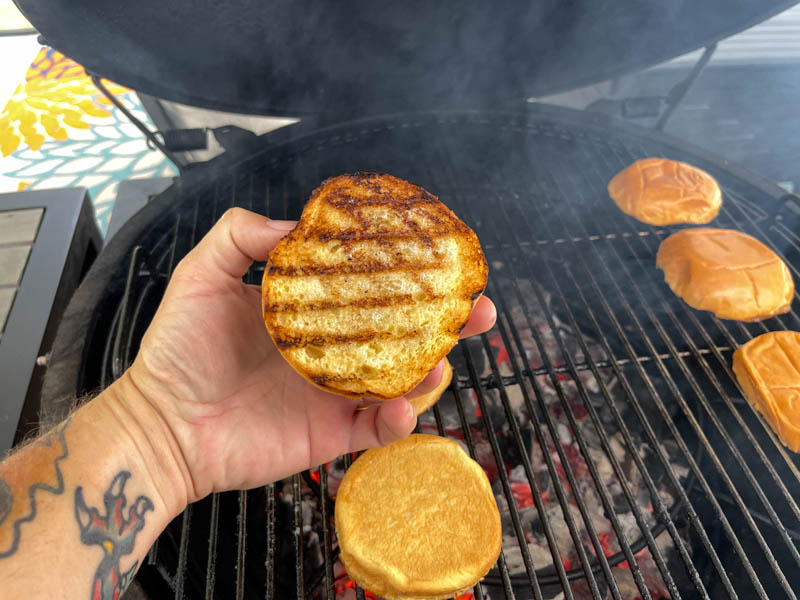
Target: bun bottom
(426, 401)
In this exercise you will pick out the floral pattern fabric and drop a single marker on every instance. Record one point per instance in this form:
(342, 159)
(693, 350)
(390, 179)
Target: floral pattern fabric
(58, 130)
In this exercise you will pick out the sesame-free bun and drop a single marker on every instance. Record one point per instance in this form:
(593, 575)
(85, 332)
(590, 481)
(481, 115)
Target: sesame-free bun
(417, 519)
(660, 191)
(726, 272)
(425, 401)
(372, 287)
(768, 369)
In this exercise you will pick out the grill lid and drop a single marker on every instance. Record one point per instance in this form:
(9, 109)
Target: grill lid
(292, 57)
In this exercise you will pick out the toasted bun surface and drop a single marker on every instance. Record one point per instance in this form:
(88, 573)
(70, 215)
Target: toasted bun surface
(659, 191)
(425, 401)
(768, 369)
(727, 272)
(417, 519)
(372, 287)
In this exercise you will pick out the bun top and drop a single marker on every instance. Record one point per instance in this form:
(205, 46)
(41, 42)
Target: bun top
(417, 519)
(725, 271)
(372, 287)
(768, 367)
(660, 191)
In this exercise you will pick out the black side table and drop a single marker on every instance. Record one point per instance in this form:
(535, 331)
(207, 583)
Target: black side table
(48, 240)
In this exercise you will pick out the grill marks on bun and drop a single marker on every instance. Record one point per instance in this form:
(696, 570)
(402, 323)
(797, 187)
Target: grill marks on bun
(372, 287)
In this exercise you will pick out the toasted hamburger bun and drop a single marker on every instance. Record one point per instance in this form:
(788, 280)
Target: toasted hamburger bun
(727, 272)
(768, 369)
(423, 402)
(659, 191)
(417, 519)
(372, 287)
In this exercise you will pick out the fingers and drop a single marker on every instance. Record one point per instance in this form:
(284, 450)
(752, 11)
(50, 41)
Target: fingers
(430, 383)
(389, 422)
(483, 316)
(238, 238)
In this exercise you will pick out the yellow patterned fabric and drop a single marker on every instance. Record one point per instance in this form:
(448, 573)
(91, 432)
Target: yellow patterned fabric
(57, 130)
(56, 95)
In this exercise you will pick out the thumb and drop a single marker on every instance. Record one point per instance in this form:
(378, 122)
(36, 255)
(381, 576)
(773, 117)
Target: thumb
(238, 238)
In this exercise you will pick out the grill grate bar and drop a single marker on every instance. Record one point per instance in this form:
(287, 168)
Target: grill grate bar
(733, 447)
(603, 437)
(776, 443)
(298, 536)
(123, 323)
(554, 476)
(725, 435)
(694, 519)
(498, 457)
(708, 448)
(723, 327)
(441, 429)
(535, 488)
(768, 240)
(491, 381)
(269, 561)
(745, 427)
(501, 245)
(665, 413)
(635, 404)
(661, 511)
(501, 561)
(348, 461)
(325, 504)
(611, 514)
(211, 570)
(241, 544)
(183, 550)
(505, 483)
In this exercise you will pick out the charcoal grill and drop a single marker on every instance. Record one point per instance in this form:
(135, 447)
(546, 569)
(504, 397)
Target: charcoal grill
(594, 367)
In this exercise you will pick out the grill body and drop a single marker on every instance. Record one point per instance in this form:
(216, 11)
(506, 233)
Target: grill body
(623, 393)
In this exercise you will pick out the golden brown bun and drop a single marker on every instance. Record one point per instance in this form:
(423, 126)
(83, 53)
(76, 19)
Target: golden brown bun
(659, 191)
(372, 287)
(727, 272)
(768, 369)
(417, 519)
(425, 401)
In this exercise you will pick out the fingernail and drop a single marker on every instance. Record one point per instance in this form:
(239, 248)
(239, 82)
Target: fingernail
(410, 412)
(281, 225)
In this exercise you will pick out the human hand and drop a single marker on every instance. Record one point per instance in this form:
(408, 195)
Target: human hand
(237, 413)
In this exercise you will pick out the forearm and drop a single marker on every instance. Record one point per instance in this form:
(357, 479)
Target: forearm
(80, 506)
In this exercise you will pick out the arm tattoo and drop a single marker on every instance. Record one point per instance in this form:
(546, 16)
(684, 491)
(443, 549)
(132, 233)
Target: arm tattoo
(114, 533)
(20, 507)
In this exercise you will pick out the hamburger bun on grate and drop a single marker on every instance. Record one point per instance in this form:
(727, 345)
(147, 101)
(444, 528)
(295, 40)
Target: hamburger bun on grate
(417, 519)
(768, 369)
(372, 287)
(659, 191)
(425, 401)
(727, 272)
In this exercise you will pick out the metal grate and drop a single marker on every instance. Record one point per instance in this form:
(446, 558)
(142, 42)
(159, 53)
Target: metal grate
(652, 473)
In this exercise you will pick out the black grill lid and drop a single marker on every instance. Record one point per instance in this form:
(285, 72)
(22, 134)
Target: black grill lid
(366, 57)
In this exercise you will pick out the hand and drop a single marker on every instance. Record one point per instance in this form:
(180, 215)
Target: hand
(241, 416)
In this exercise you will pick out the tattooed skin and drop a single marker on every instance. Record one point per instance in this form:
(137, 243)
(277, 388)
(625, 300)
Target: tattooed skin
(114, 533)
(18, 496)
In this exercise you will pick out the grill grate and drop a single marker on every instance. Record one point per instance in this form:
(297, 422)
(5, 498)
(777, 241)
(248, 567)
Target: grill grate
(633, 394)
